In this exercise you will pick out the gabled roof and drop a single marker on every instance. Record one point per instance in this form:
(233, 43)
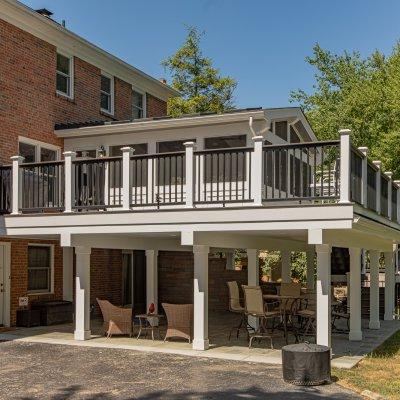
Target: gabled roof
(29, 20)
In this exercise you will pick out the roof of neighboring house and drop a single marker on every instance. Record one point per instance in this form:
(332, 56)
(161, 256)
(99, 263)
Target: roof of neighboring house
(45, 28)
(90, 128)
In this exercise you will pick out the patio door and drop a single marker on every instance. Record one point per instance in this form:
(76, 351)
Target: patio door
(4, 284)
(134, 280)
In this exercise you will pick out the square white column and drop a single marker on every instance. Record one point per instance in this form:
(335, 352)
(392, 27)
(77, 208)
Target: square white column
(200, 298)
(82, 296)
(253, 274)
(323, 289)
(355, 333)
(389, 285)
(310, 254)
(286, 266)
(152, 281)
(374, 322)
(68, 273)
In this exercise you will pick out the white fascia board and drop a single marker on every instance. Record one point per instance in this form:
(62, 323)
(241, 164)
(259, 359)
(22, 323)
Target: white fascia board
(368, 215)
(201, 220)
(50, 31)
(151, 125)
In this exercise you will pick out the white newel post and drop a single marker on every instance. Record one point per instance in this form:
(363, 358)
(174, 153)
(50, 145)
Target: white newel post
(389, 285)
(310, 254)
(69, 157)
(257, 170)
(200, 294)
(16, 183)
(390, 183)
(286, 266)
(126, 177)
(355, 333)
(82, 293)
(345, 145)
(189, 164)
(323, 289)
(152, 281)
(364, 175)
(378, 165)
(374, 322)
(253, 278)
(68, 273)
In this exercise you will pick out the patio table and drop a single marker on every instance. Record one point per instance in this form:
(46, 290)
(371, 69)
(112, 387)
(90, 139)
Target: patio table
(145, 325)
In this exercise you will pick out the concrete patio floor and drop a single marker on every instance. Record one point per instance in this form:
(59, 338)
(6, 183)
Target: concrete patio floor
(346, 354)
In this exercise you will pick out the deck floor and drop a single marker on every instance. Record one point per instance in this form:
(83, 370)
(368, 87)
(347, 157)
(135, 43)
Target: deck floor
(346, 354)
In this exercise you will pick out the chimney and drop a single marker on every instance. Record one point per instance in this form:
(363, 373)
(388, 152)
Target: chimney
(45, 12)
(163, 80)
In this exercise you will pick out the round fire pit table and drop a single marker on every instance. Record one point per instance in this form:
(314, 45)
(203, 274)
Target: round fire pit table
(306, 364)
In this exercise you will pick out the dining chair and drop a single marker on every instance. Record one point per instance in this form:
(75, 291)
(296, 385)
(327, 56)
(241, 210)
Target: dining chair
(236, 308)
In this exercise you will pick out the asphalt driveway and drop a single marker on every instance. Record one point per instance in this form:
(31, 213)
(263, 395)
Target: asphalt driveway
(46, 371)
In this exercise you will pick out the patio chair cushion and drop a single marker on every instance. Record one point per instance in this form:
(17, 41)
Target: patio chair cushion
(234, 298)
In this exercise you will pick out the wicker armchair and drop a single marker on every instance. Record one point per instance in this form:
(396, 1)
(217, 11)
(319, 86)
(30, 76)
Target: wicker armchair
(179, 320)
(117, 320)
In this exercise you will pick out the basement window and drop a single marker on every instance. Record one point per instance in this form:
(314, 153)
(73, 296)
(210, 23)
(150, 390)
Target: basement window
(64, 75)
(107, 94)
(40, 269)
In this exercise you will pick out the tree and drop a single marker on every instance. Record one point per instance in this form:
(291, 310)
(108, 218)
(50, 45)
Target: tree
(202, 87)
(357, 93)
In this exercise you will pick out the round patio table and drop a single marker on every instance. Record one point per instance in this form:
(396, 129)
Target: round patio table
(144, 324)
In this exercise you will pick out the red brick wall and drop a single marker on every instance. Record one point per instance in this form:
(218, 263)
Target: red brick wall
(19, 273)
(155, 107)
(29, 105)
(175, 279)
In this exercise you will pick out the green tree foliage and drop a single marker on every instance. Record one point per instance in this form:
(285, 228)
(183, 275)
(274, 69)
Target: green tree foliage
(202, 87)
(357, 93)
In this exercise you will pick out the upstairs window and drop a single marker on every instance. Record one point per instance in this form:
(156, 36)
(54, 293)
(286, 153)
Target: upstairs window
(64, 75)
(107, 94)
(138, 105)
(35, 151)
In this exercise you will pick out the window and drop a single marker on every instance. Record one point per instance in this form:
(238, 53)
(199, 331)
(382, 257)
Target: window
(40, 269)
(225, 142)
(64, 75)
(171, 146)
(107, 94)
(281, 130)
(86, 153)
(138, 105)
(294, 137)
(35, 151)
(141, 148)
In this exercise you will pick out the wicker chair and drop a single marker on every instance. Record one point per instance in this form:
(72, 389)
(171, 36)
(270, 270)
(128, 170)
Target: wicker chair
(254, 306)
(237, 308)
(117, 320)
(179, 320)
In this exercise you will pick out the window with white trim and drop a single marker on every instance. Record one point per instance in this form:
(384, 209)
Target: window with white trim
(138, 105)
(107, 94)
(40, 269)
(35, 151)
(64, 75)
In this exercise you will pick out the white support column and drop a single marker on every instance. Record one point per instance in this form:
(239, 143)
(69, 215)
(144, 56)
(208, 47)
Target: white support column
(69, 157)
(355, 333)
(82, 296)
(257, 170)
(378, 165)
(345, 165)
(323, 289)
(200, 294)
(16, 183)
(152, 281)
(397, 182)
(286, 266)
(126, 177)
(389, 202)
(190, 179)
(310, 269)
(374, 322)
(253, 274)
(364, 175)
(389, 285)
(68, 273)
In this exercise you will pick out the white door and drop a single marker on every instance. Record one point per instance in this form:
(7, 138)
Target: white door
(5, 284)
(2, 283)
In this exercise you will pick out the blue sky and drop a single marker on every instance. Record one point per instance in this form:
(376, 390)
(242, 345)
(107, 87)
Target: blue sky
(261, 43)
